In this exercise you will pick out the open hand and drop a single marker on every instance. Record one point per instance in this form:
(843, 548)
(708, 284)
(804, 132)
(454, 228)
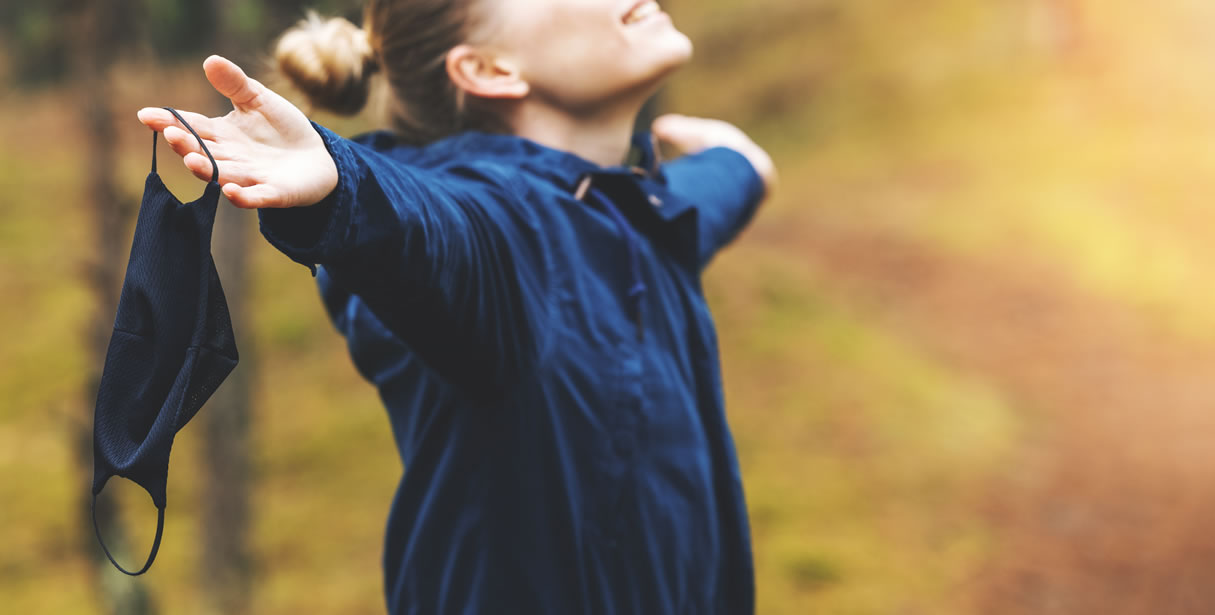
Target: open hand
(693, 134)
(268, 153)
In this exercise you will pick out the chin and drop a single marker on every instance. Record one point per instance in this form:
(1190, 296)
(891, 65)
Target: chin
(676, 46)
(674, 52)
(682, 52)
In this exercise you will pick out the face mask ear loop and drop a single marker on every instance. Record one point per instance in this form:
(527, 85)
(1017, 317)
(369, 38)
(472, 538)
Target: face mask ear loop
(214, 166)
(160, 526)
(154, 135)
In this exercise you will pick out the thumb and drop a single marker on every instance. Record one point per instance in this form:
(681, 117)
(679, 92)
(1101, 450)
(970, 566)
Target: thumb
(228, 79)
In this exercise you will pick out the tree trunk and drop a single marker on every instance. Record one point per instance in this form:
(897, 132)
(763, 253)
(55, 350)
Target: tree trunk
(94, 30)
(226, 565)
(226, 562)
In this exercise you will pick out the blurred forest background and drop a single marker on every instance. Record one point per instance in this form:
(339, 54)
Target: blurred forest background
(968, 347)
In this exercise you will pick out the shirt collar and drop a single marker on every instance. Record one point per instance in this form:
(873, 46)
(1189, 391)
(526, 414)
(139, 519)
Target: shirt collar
(564, 168)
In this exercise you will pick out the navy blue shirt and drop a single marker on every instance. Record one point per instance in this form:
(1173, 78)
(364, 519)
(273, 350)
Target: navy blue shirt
(536, 328)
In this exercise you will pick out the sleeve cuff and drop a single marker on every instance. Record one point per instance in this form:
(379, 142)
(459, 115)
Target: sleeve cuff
(311, 235)
(741, 170)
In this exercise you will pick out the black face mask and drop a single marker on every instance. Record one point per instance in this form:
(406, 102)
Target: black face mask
(172, 344)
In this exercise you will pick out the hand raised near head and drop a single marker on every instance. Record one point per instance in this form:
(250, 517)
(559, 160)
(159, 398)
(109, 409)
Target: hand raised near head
(693, 134)
(268, 153)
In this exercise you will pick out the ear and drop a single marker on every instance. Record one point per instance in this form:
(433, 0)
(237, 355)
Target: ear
(481, 74)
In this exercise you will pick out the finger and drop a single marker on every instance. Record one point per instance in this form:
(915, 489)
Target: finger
(183, 143)
(254, 196)
(674, 129)
(664, 122)
(200, 165)
(230, 172)
(158, 119)
(228, 79)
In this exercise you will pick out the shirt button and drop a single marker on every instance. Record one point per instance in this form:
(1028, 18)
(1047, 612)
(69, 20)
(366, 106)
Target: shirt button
(655, 201)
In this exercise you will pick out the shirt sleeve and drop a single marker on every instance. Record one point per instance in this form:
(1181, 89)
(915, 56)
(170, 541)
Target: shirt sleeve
(447, 261)
(726, 190)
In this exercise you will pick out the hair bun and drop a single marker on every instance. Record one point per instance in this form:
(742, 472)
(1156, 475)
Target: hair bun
(330, 60)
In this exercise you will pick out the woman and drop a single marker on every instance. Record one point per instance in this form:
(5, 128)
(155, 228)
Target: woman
(528, 305)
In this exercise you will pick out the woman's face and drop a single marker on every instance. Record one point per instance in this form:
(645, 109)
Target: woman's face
(582, 54)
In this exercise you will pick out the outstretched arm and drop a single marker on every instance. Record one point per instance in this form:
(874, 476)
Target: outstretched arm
(443, 259)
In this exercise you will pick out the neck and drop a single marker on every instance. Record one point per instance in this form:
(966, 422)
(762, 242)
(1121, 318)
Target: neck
(602, 137)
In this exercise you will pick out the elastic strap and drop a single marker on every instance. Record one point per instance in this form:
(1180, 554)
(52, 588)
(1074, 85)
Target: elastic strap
(160, 526)
(214, 166)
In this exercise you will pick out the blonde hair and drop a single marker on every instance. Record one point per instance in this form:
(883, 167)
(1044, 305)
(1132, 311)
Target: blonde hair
(332, 62)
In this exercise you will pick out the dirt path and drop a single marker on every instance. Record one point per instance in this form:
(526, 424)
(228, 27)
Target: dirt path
(1109, 507)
